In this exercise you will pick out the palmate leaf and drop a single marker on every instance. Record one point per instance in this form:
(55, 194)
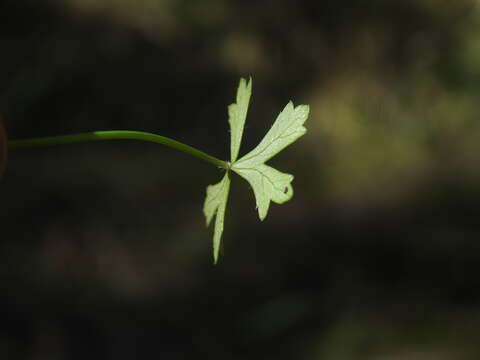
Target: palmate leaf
(268, 183)
(237, 113)
(216, 202)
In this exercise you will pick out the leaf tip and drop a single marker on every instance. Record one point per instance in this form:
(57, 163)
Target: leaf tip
(246, 83)
(305, 108)
(263, 210)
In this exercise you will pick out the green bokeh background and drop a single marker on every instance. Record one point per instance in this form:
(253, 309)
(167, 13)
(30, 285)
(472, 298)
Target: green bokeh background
(104, 252)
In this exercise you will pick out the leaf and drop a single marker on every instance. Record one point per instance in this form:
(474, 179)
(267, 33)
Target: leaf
(216, 203)
(237, 113)
(217, 195)
(287, 128)
(268, 183)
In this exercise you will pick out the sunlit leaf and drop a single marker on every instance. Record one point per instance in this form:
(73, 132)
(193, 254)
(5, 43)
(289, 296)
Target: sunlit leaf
(268, 184)
(237, 113)
(216, 203)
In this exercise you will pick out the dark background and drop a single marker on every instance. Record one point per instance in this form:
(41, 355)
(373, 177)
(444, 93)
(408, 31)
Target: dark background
(104, 252)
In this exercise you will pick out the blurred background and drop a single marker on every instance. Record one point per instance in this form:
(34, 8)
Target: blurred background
(104, 253)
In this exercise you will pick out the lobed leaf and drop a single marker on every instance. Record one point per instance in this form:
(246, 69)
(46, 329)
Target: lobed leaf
(287, 128)
(268, 184)
(237, 113)
(216, 203)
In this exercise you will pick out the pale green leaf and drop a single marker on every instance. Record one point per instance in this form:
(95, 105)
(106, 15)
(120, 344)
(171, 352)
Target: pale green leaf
(215, 203)
(237, 113)
(268, 183)
(287, 128)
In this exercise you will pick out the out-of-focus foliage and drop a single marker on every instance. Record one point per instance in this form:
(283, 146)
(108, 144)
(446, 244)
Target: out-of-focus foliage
(103, 253)
(3, 148)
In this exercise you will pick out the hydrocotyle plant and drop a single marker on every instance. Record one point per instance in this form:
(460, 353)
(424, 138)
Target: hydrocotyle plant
(268, 184)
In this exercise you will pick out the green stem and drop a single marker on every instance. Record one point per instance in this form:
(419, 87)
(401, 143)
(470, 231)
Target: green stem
(116, 135)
